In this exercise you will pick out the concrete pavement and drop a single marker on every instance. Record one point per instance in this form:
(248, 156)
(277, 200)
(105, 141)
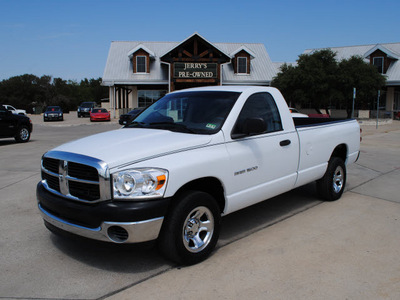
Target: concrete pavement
(348, 249)
(291, 246)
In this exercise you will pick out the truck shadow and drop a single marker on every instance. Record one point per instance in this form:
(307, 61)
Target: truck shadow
(5, 142)
(144, 258)
(267, 213)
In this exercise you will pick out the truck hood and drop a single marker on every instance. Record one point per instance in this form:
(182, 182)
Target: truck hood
(130, 145)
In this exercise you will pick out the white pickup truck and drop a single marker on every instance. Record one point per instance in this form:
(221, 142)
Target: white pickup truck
(14, 110)
(190, 158)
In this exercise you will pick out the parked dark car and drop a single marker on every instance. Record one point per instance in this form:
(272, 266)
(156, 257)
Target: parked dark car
(127, 118)
(85, 108)
(16, 126)
(53, 113)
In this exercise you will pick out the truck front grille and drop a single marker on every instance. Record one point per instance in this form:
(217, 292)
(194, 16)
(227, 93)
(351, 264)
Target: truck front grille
(82, 171)
(76, 176)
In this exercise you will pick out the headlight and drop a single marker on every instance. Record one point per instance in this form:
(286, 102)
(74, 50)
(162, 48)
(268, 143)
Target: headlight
(139, 184)
(45, 115)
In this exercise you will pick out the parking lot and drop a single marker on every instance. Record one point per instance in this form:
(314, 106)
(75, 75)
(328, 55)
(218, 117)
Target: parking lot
(290, 247)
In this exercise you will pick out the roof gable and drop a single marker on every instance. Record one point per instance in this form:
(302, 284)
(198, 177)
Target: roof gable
(140, 47)
(243, 48)
(385, 50)
(194, 46)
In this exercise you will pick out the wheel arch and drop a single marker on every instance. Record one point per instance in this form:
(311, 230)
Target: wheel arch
(340, 151)
(210, 185)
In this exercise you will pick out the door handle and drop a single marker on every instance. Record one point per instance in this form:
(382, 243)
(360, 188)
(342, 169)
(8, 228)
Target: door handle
(285, 143)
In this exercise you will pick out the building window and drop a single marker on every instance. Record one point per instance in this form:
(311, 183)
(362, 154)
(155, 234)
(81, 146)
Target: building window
(148, 97)
(140, 64)
(242, 65)
(378, 63)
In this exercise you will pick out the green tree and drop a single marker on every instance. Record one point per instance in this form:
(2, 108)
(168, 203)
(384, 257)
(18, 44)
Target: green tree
(27, 91)
(355, 73)
(319, 81)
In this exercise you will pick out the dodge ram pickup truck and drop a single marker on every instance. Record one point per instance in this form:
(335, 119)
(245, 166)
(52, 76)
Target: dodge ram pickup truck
(187, 160)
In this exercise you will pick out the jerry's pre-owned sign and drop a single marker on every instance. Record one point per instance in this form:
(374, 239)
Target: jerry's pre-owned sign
(195, 70)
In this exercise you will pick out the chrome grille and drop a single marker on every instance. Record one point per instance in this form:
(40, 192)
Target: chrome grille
(75, 176)
(85, 191)
(52, 181)
(82, 171)
(51, 164)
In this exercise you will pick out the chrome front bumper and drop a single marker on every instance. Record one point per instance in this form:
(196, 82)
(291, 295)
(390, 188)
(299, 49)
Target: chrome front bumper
(116, 232)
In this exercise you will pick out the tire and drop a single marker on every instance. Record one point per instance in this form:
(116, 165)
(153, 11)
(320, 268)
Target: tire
(191, 229)
(23, 135)
(331, 186)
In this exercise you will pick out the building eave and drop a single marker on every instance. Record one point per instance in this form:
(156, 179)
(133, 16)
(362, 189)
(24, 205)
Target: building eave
(130, 82)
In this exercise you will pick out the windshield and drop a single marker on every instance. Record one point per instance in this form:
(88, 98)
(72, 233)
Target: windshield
(87, 104)
(192, 112)
(53, 108)
(99, 110)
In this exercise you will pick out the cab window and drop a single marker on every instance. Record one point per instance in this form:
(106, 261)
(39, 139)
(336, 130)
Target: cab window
(263, 106)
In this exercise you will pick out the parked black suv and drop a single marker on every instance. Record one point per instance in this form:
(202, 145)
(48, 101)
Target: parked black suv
(127, 118)
(16, 126)
(85, 108)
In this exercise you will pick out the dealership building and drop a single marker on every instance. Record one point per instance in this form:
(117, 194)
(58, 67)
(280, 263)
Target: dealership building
(139, 73)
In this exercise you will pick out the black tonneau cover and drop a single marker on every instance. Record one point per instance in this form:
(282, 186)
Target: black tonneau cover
(308, 122)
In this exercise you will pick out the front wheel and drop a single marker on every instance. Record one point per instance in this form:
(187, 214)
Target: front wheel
(331, 186)
(23, 135)
(191, 229)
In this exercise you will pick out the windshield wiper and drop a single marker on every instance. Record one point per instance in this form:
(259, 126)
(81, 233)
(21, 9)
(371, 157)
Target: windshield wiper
(180, 127)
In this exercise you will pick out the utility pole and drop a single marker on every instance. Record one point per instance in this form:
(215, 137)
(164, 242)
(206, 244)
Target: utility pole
(354, 100)
(377, 109)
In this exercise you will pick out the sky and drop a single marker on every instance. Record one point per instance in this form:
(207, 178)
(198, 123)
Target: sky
(70, 39)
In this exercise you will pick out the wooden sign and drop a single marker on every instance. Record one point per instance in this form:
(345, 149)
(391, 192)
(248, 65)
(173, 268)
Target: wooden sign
(195, 70)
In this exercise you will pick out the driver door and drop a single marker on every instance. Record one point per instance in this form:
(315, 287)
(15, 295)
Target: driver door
(263, 165)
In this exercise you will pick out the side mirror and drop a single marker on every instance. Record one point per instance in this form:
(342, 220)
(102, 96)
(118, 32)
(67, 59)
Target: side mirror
(254, 126)
(251, 126)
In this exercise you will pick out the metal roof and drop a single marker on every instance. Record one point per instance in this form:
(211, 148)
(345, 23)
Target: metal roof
(119, 69)
(391, 49)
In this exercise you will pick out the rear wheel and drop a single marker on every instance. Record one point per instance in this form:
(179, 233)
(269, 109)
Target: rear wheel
(331, 186)
(23, 135)
(191, 229)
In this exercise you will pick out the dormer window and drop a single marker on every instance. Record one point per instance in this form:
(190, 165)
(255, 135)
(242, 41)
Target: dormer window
(378, 62)
(140, 56)
(141, 64)
(382, 58)
(242, 65)
(241, 60)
